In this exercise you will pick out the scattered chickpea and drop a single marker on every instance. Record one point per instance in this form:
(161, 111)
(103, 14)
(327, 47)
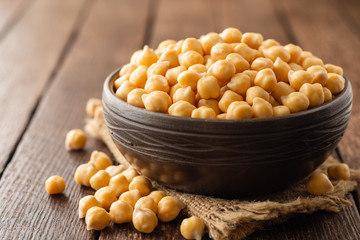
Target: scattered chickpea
(239, 62)
(173, 73)
(228, 97)
(203, 112)
(158, 68)
(190, 58)
(261, 63)
(121, 212)
(192, 228)
(319, 184)
(139, 76)
(169, 208)
(83, 174)
(171, 57)
(262, 108)
(181, 108)
(146, 202)
(144, 220)
(294, 52)
(254, 92)
(312, 61)
(119, 183)
(246, 52)
(231, 35)
(86, 203)
(209, 40)
(135, 97)
(331, 68)
(146, 57)
(127, 69)
(281, 111)
(157, 196)
(99, 180)
(91, 105)
(192, 44)
(106, 196)
(157, 101)
(75, 140)
(222, 70)
(123, 91)
(239, 110)
(266, 79)
(185, 94)
(335, 83)
(314, 92)
(131, 197)
(275, 52)
(298, 78)
(220, 51)
(319, 74)
(142, 184)
(100, 160)
(156, 83)
(253, 40)
(281, 70)
(55, 185)
(130, 173)
(339, 171)
(97, 218)
(208, 87)
(199, 68)
(296, 101)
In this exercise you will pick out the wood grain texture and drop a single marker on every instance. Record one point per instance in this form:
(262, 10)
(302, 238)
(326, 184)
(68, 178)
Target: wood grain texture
(29, 54)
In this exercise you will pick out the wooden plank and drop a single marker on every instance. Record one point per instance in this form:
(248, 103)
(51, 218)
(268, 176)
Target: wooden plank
(28, 56)
(26, 210)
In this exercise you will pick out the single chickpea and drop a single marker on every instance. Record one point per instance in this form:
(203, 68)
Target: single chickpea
(121, 212)
(157, 196)
(220, 51)
(251, 74)
(157, 101)
(185, 94)
(221, 116)
(261, 63)
(106, 196)
(239, 62)
(267, 44)
(144, 220)
(158, 68)
(209, 40)
(203, 112)
(100, 160)
(119, 183)
(142, 184)
(208, 87)
(199, 68)
(139, 76)
(146, 57)
(135, 97)
(246, 52)
(91, 105)
(118, 82)
(339, 171)
(190, 58)
(55, 185)
(296, 101)
(253, 40)
(331, 68)
(239, 110)
(97, 218)
(228, 97)
(273, 102)
(295, 67)
(319, 184)
(83, 174)
(281, 70)
(294, 51)
(124, 90)
(231, 35)
(171, 57)
(166, 43)
(281, 110)
(312, 61)
(266, 79)
(192, 228)
(335, 83)
(127, 69)
(181, 109)
(303, 56)
(188, 78)
(240, 83)
(211, 103)
(114, 170)
(130, 173)
(156, 83)
(173, 73)
(298, 78)
(254, 92)
(327, 94)
(131, 197)
(99, 180)
(282, 89)
(134, 56)
(275, 52)
(262, 108)
(75, 140)
(223, 70)
(314, 92)
(192, 44)
(86, 203)
(169, 208)
(146, 202)
(319, 74)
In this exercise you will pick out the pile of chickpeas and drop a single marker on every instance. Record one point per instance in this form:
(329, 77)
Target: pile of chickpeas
(231, 75)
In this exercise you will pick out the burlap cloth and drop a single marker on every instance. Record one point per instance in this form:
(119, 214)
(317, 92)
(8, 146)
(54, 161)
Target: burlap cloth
(236, 219)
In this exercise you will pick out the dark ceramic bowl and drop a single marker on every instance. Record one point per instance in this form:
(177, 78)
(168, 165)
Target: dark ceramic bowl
(225, 157)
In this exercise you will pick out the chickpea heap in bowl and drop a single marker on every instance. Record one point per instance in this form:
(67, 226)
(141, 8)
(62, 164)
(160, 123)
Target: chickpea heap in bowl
(231, 75)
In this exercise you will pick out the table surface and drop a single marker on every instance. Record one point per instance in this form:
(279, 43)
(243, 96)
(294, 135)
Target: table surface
(54, 55)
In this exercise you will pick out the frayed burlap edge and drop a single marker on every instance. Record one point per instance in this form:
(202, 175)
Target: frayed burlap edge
(236, 219)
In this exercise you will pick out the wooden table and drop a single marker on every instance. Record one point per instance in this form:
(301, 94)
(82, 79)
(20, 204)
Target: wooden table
(54, 55)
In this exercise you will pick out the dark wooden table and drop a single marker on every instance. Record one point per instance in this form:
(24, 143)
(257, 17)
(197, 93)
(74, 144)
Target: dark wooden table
(54, 55)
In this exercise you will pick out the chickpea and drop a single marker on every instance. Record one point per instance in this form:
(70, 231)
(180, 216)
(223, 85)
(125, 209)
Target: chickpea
(319, 184)
(142, 184)
(124, 90)
(83, 174)
(221, 116)
(156, 83)
(228, 97)
(231, 35)
(266, 79)
(146, 57)
(282, 89)
(100, 160)
(267, 44)
(273, 102)
(86, 203)
(281, 110)
(335, 83)
(295, 67)
(261, 63)
(281, 70)
(114, 170)
(203, 112)
(327, 94)
(254, 92)
(158, 68)
(164, 44)
(97, 218)
(339, 171)
(220, 51)
(157, 101)
(239, 110)
(55, 185)
(131, 197)
(106, 196)
(209, 40)
(134, 56)
(208, 61)
(185, 94)
(169, 208)
(192, 228)
(189, 78)
(303, 56)
(312, 61)
(275, 52)
(251, 74)
(135, 97)
(130, 173)
(171, 57)
(246, 52)
(146, 202)
(91, 105)
(199, 68)
(253, 40)
(319, 74)
(296, 101)
(127, 69)
(119, 183)
(208, 87)
(262, 108)
(211, 103)
(181, 108)
(190, 58)
(314, 92)
(178, 46)
(75, 140)
(294, 52)
(118, 82)
(144, 220)
(173, 73)
(239, 62)
(223, 70)
(121, 212)
(240, 83)
(298, 78)
(99, 180)
(192, 44)
(157, 196)
(331, 68)
(139, 76)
